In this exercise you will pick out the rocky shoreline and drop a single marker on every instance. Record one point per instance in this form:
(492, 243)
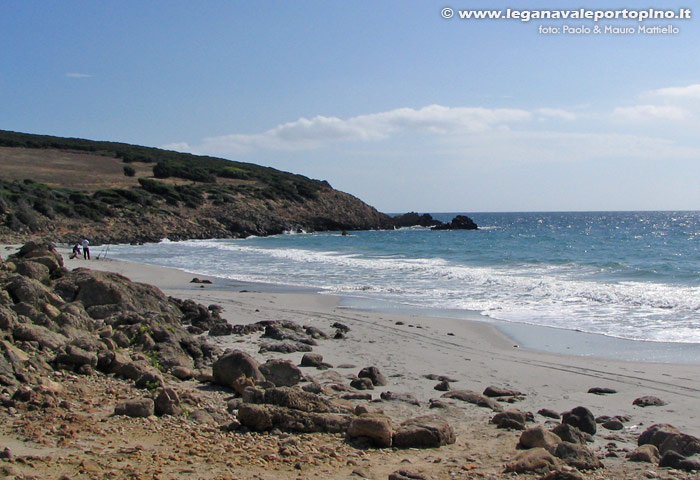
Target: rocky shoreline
(103, 377)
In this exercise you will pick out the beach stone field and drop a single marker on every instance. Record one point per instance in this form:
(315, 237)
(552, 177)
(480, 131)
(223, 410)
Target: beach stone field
(105, 378)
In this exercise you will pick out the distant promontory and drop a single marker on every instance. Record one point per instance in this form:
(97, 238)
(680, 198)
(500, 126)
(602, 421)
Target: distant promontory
(65, 188)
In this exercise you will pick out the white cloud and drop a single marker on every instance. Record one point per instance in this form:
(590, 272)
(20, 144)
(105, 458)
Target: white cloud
(78, 75)
(318, 131)
(557, 113)
(688, 92)
(643, 113)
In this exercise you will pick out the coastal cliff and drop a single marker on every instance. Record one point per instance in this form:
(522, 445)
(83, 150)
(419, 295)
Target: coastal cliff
(64, 188)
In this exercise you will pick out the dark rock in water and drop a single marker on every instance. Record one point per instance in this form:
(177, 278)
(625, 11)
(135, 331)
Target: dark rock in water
(648, 401)
(546, 412)
(475, 398)
(412, 219)
(460, 222)
(500, 392)
(424, 432)
(577, 456)
(373, 373)
(601, 391)
(582, 418)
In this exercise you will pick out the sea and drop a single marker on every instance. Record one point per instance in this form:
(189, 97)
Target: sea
(632, 276)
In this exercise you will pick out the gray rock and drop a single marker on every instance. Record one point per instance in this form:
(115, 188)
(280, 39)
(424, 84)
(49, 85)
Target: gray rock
(474, 398)
(613, 424)
(312, 360)
(443, 386)
(581, 418)
(399, 397)
(511, 419)
(362, 384)
(373, 373)
(546, 412)
(233, 365)
(143, 407)
(406, 475)
(493, 392)
(646, 453)
(281, 372)
(577, 456)
(424, 432)
(376, 428)
(648, 401)
(571, 434)
(266, 417)
(36, 333)
(167, 402)
(538, 437)
(535, 459)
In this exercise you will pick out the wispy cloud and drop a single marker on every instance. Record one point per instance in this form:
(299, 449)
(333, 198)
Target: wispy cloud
(687, 92)
(320, 130)
(557, 113)
(644, 113)
(78, 75)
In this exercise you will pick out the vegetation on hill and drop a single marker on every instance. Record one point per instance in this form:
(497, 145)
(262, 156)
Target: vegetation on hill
(187, 196)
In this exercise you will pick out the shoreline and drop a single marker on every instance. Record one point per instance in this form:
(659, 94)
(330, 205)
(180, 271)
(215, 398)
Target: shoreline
(474, 351)
(539, 338)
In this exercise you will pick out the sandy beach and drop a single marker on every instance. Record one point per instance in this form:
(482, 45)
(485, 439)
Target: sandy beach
(407, 349)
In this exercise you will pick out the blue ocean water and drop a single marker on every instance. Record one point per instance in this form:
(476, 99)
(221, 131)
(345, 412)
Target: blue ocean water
(633, 275)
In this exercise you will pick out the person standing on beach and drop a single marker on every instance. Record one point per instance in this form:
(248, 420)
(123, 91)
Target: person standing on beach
(86, 249)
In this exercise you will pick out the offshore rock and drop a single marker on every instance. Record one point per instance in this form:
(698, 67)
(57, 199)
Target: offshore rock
(460, 222)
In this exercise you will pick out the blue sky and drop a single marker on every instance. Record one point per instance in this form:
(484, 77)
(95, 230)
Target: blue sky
(386, 100)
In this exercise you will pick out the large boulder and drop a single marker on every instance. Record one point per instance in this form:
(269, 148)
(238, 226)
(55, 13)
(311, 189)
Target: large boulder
(234, 364)
(424, 432)
(297, 399)
(373, 373)
(266, 417)
(581, 418)
(376, 428)
(538, 437)
(135, 408)
(46, 338)
(283, 373)
(577, 456)
(105, 293)
(536, 459)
